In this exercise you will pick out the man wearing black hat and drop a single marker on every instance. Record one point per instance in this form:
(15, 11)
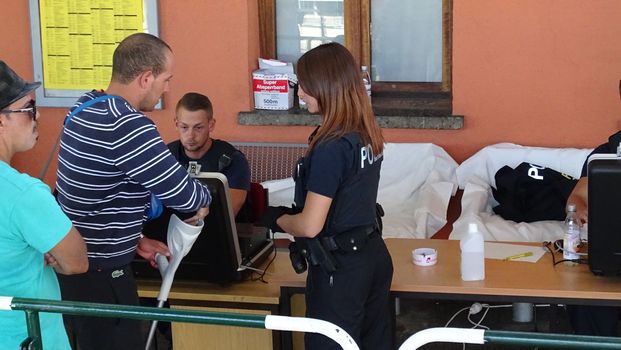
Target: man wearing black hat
(36, 235)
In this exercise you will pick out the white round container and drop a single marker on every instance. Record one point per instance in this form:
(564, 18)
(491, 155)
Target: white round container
(424, 256)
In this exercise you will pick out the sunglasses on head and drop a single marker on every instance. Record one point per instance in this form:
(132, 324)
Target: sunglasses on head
(30, 108)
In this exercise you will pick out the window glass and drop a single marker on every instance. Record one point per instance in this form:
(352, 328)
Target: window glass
(406, 40)
(304, 24)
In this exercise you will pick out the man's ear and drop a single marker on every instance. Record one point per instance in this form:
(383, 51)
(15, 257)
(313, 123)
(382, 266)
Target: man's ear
(145, 79)
(212, 124)
(3, 119)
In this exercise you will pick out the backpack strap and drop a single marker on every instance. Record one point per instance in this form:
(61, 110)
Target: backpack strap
(75, 111)
(87, 104)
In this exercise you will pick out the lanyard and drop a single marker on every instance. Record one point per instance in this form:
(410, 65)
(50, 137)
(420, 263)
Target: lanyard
(77, 110)
(86, 105)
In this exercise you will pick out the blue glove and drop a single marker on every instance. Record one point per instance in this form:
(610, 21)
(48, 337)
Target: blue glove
(155, 209)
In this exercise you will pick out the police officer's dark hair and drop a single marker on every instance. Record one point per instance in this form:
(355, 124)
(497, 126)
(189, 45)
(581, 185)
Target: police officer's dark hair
(138, 53)
(193, 101)
(330, 74)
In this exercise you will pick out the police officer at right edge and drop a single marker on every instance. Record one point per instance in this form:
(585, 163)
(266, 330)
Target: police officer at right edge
(334, 218)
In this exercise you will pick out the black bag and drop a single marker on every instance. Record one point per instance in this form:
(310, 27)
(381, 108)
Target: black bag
(531, 193)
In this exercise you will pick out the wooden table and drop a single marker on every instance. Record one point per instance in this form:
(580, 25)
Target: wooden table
(510, 281)
(505, 281)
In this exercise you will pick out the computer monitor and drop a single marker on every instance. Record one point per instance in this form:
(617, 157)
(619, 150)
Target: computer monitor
(224, 249)
(604, 226)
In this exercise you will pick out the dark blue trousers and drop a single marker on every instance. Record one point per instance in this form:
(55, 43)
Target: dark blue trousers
(356, 297)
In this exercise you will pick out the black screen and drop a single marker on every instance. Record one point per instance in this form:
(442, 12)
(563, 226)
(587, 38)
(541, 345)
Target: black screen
(218, 251)
(604, 227)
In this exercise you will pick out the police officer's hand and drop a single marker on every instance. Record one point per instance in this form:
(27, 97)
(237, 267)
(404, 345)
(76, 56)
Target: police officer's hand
(270, 216)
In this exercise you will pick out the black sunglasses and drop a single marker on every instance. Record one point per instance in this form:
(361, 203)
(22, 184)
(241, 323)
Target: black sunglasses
(30, 108)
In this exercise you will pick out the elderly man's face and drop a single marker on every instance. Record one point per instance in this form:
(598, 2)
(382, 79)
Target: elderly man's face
(20, 120)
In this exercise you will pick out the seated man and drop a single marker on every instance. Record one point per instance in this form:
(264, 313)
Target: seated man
(593, 320)
(195, 122)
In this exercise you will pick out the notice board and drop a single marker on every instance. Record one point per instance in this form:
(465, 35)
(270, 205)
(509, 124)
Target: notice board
(73, 42)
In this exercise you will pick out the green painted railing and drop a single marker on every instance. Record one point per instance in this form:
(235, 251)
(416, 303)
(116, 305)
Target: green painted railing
(480, 336)
(32, 307)
(138, 312)
(565, 341)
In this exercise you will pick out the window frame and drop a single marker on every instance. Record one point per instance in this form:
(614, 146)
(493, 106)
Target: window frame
(357, 19)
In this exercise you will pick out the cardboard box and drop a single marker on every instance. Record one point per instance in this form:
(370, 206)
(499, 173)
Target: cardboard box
(273, 85)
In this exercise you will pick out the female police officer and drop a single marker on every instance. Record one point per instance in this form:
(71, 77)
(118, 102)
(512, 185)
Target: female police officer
(350, 269)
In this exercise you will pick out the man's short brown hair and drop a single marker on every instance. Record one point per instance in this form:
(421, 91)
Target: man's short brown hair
(138, 53)
(193, 101)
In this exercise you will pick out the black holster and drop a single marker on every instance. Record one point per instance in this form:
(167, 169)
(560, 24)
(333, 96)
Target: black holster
(314, 252)
(350, 241)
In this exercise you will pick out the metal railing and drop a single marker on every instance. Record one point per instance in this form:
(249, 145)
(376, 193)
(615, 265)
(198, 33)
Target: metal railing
(480, 336)
(32, 307)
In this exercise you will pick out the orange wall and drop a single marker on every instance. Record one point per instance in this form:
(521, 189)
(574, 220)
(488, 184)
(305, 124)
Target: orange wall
(535, 72)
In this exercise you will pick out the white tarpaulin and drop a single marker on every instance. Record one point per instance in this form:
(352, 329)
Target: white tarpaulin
(476, 177)
(416, 183)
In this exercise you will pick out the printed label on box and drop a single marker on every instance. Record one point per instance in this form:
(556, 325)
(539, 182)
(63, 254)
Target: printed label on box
(271, 85)
(272, 92)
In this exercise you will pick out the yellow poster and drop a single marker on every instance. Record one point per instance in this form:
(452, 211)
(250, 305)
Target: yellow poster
(78, 38)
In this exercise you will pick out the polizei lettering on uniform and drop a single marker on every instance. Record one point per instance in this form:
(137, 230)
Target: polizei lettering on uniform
(533, 171)
(366, 155)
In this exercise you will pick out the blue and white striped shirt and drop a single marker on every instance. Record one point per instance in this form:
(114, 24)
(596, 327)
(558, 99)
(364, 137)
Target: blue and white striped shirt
(110, 157)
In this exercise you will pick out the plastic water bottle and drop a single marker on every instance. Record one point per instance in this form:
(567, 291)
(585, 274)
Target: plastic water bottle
(472, 255)
(584, 232)
(571, 239)
(366, 79)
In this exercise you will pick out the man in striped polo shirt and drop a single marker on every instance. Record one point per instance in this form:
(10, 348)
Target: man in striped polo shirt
(110, 159)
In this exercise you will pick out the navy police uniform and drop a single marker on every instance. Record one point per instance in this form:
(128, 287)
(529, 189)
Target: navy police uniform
(222, 157)
(352, 289)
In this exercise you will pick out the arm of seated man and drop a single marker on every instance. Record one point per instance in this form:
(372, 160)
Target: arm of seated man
(238, 198)
(579, 196)
(238, 175)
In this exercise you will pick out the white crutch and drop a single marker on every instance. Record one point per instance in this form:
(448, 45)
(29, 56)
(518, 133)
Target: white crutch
(181, 237)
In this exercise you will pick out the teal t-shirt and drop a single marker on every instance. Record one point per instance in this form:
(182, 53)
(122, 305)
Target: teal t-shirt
(31, 223)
